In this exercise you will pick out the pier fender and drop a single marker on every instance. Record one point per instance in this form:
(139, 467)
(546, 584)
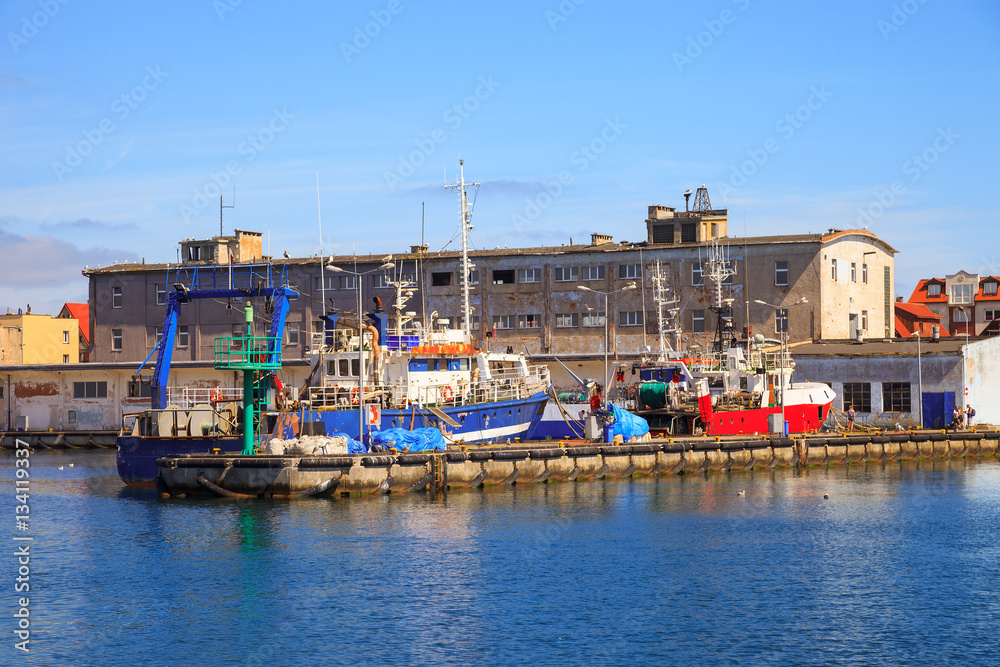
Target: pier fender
(326, 486)
(421, 483)
(480, 478)
(386, 484)
(512, 477)
(218, 490)
(544, 475)
(630, 470)
(575, 472)
(602, 471)
(161, 487)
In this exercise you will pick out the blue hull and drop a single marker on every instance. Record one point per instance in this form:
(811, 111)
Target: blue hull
(553, 425)
(137, 454)
(484, 422)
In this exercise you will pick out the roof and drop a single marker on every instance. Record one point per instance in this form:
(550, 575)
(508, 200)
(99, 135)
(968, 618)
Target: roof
(916, 310)
(81, 312)
(837, 233)
(920, 292)
(875, 348)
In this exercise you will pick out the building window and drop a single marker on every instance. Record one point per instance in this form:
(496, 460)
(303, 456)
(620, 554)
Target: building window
(989, 288)
(459, 321)
(116, 340)
(325, 283)
(663, 233)
(689, 232)
(864, 320)
(854, 272)
(529, 321)
(238, 334)
(564, 320)
(116, 297)
(896, 397)
(161, 294)
(348, 282)
(961, 293)
(65, 337)
(781, 320)
(990, 315)
(194, 253)
(627, 271)
(474, 277)
(380, 280)
(864, 273)
(630, 318)
(530, 276)
(859, 395)
(65, 358)
(182, 335)
(697, 278)
(505, 277)
(503, 321)
(90, 390)
(780, 273)
(934, 289)
(833, 270)
(157, 335)
(715, 229)
(567, 273)
(71, 416)
(593, 319)
(592, 273)
(292, 331)
(698, 321)
(960, 315)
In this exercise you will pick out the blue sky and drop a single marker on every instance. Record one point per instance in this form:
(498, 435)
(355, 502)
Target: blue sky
(119, 121)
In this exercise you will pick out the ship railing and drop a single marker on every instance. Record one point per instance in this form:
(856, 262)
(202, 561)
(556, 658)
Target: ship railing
(188, 397)
(181, 422)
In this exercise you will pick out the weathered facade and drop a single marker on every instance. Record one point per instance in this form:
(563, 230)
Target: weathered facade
(883, 379)
(817, 286)
(38, 339)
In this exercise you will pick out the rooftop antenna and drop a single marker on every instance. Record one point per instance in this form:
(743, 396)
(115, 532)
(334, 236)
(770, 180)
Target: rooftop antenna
(701, 201)
(466, 216)
(222, 207)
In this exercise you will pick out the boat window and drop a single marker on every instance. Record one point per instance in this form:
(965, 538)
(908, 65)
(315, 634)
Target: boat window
(355, 367)
(331, 367)
(458, 364)
(418, 364)
(343, 368)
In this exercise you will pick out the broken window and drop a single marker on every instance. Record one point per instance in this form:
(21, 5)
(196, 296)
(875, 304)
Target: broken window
(858, 394)
(896, 397)
(504, 277)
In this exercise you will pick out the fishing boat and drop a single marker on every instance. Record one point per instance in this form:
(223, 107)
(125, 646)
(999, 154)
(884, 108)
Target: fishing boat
(367, 374)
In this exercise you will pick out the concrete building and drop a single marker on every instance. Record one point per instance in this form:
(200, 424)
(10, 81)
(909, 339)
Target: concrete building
(529, 298)
(81, 313)
(38, 339)
(883, 379)
(966, 302)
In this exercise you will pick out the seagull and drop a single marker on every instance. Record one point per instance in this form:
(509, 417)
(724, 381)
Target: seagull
(287, 256)
(71, 465)
(742, 493)
(59, 468)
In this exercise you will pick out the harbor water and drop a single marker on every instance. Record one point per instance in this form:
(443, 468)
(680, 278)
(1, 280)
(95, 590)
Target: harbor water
(895, 563)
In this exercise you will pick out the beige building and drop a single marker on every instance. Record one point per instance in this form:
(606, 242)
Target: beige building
(38, 339)
(817, 286)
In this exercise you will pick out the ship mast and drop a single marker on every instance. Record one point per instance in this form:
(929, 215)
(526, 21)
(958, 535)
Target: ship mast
(718, 270)
(666, 312)
(467, 267)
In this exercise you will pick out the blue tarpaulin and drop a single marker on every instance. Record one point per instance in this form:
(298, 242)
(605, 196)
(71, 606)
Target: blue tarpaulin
(409, 441)
(627, 425)
(353, 446)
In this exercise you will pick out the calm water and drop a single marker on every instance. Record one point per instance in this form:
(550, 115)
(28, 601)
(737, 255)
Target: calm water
(901, 565)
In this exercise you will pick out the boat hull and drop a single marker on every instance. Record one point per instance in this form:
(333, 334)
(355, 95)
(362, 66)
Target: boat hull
(553, 425)
(484, 422)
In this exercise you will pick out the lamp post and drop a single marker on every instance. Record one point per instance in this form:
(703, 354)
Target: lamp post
(584, 288)
(782, 348)
(361, 340)
(920, 382)
(968, 320)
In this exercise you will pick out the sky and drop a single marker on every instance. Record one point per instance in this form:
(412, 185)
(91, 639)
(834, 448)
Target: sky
(121, 123)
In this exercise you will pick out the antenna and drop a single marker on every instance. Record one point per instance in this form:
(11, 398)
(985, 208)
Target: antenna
(701, 201)
(222, 207)
(322, 257)
(466, 227)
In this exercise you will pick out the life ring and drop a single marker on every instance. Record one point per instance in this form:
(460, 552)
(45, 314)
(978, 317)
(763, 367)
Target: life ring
(449, 393)
(355, 393)
(216, 397)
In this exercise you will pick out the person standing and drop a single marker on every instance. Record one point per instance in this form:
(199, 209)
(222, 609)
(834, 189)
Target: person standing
(850, 417)
(956, 418)
(969, 414)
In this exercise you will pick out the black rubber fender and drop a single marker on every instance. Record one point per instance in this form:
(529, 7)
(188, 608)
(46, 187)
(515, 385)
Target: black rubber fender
(583, 451)
(510, 455)
(645, 449)
(480, 456)
(326, 462)
(543, 454)
(377, 461)
(456, 457)
(620, 450)
(412, 459)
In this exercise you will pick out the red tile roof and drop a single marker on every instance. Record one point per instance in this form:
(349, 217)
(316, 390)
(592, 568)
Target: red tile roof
(80, 311)
(916, 310)
(920, 292)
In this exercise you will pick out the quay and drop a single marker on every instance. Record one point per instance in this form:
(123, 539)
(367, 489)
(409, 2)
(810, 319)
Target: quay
(264, 476)
(60, 439)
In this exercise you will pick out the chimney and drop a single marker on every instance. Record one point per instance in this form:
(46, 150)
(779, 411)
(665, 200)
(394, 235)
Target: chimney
(600, 239)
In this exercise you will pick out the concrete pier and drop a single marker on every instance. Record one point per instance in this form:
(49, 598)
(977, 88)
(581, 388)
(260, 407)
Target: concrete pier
(545, 462)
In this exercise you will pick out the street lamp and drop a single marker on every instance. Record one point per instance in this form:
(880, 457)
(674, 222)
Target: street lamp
(968, 320)
(920, 382)
(783, 348)
(584, 288)
(361, 341)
